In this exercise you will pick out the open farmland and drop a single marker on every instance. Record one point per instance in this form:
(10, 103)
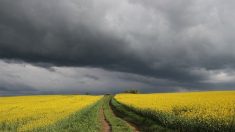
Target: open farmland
(195, 111)
(26, 113)
(165, 112)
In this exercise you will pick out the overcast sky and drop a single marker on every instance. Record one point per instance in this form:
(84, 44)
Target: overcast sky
(100, 46)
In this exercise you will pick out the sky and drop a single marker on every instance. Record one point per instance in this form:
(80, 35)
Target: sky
(109, 46)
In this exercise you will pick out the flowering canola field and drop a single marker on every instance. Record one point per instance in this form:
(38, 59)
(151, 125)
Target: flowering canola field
(26, 113)
(204, 110)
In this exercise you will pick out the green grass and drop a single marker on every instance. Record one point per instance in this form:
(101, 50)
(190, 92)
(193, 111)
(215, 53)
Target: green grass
(143, 122)
(117, 124)
(9, 127)
(86, 120)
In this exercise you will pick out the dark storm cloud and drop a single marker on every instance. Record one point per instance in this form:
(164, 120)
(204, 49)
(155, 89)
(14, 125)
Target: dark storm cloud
(181, 41)
(7, 88)
(33, 32)
(18, 88)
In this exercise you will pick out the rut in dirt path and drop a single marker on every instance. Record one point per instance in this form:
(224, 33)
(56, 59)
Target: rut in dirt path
(133, 126)
(105, 125)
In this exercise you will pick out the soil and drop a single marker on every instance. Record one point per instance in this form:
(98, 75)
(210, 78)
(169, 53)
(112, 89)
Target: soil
(105, 124)
(133, 126)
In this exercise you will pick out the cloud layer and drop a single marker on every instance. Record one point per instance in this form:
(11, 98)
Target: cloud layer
(187, 43)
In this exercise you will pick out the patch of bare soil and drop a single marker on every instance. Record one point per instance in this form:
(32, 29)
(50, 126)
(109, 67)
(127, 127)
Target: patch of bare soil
(105, 125)
(133, 126)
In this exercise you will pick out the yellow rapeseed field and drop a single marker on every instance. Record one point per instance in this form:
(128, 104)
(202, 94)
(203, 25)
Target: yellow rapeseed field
(206, 107)
(29, 112)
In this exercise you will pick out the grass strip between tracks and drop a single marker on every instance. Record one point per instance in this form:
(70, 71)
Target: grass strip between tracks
(144, 123)
(117, 124)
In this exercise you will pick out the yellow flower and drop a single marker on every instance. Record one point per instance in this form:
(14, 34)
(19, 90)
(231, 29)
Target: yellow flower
(206, 106)
(30, 112)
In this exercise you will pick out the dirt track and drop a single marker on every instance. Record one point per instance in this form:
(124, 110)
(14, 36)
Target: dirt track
(133, 126)
(105, 125)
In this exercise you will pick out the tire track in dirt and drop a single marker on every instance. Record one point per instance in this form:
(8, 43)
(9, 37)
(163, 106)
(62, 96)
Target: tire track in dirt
(105, 124)
(133, 126)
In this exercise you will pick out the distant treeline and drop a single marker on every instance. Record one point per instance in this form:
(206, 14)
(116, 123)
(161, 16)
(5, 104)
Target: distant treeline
(132, 91)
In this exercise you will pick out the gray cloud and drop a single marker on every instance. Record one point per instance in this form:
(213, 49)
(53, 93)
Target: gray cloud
(32, 79)
(13, 88)
(183, 43)
(24, 78)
